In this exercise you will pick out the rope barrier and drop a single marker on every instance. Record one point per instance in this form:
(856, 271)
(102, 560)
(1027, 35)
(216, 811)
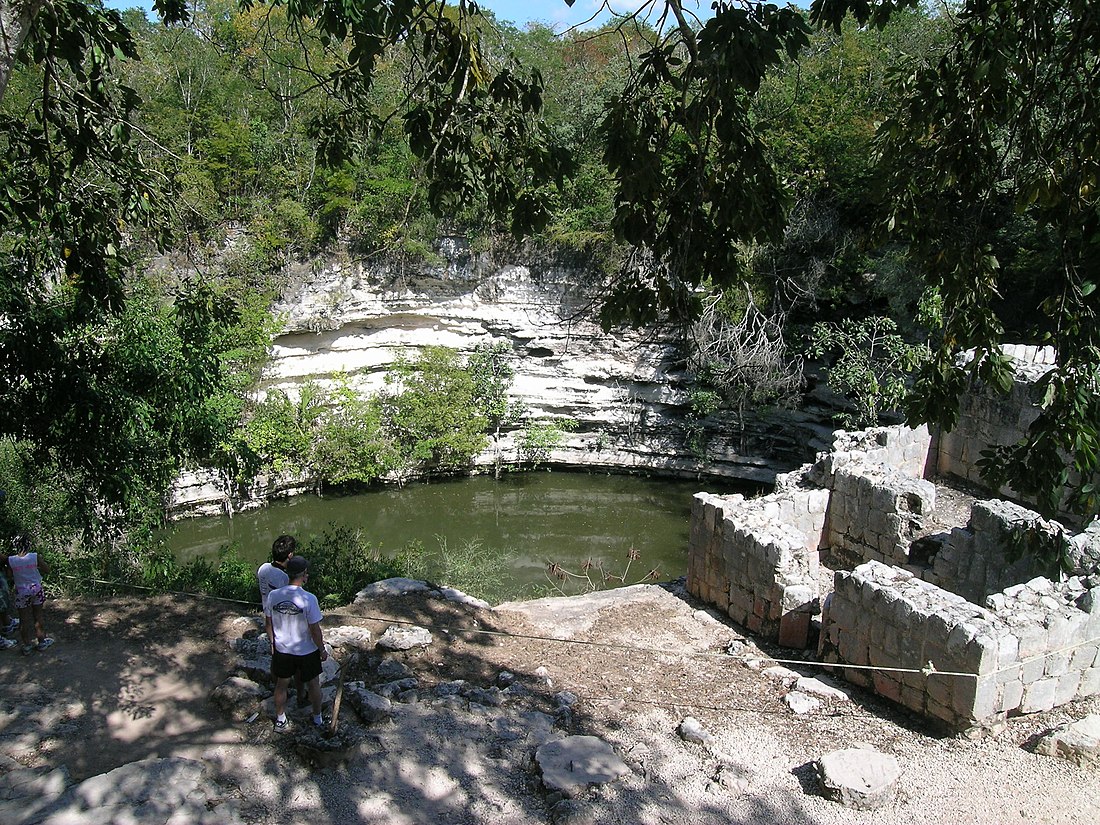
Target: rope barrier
(928, 670)
(659, 650)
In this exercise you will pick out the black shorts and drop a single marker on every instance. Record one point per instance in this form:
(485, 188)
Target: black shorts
(286, 665)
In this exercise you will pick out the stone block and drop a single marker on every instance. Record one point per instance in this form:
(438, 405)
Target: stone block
(1067, 688)
(940, 688)
(801, 598)
(1079, 742)
(1033, 641)
(1083, 657)
(794, 630)
(1060, 631)
(1056, 664)
(985, 702)
(941, 712)
(1039, 696)
(842, 613)
(1090, 683)
(858, 778)
(1010, 674)
(853, 649)
(913, 698)
(886, 686)
(1008, 650)
(1033, 670)
(1012, 694)
(740, 599)
(981, 655)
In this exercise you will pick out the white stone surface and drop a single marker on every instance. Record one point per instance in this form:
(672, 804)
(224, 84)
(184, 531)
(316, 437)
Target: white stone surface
(858, 777)
(1078, 742)
(801, 703)
(571, 765)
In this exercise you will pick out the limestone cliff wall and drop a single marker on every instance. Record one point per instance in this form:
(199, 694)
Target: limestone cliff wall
(627, 391)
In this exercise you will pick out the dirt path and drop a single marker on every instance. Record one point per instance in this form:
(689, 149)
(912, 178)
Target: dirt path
(130, 679)
(127, 680)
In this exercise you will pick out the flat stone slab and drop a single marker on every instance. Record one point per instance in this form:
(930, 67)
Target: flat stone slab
(451, 594)
(404, 638)
(239, 697)
(1079, 742)
(801, 703)
(347, 635)
(858, 777)
(822, 688)
(783, 674)
(391, 587)
(149, 792)
(27, 782)
(572, 764)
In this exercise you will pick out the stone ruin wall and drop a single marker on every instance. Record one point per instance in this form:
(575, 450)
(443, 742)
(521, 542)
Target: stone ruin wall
(967, 637)
(987, 420)
(757, 560)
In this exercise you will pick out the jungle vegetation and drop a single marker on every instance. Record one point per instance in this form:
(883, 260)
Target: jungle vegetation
(774, 182)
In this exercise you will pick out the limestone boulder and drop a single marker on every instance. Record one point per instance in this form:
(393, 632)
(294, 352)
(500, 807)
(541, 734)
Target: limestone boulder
(404, 637)
(239, 698)
(860, 778)
(571, 765)
(1078, 742)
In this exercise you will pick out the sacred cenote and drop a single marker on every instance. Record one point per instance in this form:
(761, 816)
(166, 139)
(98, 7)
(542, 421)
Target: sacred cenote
(526, 520)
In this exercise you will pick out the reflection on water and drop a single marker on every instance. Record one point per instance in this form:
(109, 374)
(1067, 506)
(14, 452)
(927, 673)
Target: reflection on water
(532, 518)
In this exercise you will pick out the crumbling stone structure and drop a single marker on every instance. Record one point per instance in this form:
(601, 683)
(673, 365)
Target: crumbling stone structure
(956, 626)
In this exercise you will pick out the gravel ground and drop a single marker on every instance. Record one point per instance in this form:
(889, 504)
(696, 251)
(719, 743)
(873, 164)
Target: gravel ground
(129, 681)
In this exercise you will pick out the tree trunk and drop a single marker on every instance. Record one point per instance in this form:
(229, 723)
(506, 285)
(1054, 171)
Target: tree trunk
(16, 17)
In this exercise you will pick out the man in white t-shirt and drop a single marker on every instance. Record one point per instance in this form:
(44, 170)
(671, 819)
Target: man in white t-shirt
(293, 619)
(271, 576)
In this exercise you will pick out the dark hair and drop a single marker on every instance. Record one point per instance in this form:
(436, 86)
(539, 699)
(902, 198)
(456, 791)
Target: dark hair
(283, 547)
(21, 543)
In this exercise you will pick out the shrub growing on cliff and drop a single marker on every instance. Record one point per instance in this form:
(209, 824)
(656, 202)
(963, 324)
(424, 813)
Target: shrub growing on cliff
(539, 437)
(431, 414)
(351, 445)
(872, 368)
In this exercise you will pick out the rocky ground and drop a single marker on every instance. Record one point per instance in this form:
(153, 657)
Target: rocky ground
(115, 723)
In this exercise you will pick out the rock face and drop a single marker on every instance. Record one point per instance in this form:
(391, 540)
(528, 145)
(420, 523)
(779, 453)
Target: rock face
(626, 391)
(858, 777)
(1079, 742)
(575, 763)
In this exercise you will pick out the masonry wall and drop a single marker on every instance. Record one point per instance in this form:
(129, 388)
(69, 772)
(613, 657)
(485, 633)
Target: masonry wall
(1038, 649)
(875, 512)
(758, 561)
(973, 638)
(977, 560)
(989, 419)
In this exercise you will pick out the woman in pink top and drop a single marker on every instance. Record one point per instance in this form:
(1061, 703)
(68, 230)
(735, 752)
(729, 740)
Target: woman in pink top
(26, 571)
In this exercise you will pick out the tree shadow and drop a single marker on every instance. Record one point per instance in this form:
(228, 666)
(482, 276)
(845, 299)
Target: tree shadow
(131, 680)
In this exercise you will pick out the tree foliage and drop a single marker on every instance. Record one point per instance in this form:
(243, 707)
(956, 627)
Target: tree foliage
(431, 411)
(1002, 127)
(871, 367)
(689, 141)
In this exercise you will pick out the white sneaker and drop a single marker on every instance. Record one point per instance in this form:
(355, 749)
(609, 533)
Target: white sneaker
(9, 627)
(7, 644)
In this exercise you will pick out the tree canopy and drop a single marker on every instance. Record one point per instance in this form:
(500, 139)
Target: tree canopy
(984, 180)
